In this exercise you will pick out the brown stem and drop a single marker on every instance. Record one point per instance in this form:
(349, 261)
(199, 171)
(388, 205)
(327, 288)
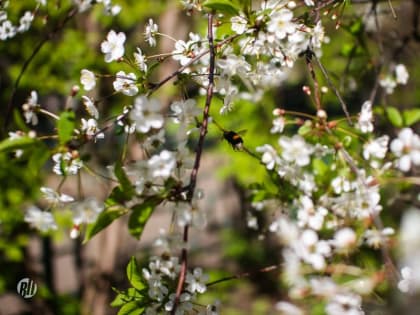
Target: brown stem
(200, 145)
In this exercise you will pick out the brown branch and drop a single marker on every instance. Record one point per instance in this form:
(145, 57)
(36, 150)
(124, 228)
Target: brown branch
(200, 145)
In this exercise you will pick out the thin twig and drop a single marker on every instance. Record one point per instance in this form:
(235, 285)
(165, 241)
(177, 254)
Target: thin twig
(243, 275)
(200, 145)
(197, 57)
(332, 87)
(308, 59)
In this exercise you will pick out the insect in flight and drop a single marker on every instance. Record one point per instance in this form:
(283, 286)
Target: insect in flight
(235, 140)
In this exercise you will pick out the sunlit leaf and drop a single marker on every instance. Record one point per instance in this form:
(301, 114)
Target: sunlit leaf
(104, 219)
(140, 215)
(222, 6)
(134, 275)
(65, 126)
(394, 116)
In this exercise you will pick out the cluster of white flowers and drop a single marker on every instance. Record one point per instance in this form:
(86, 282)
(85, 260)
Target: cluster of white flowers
(7, 29)
(161, 274)
(390, 81)
(145, 114)
(324, 222)
(66, 163)
(322, 225)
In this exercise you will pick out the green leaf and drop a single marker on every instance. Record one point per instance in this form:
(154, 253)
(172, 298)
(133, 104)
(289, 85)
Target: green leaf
(123, 297)
(104, 219)
(126, 186)
(411, 116)
(222, 6)
(131, 308)
(319, 167)
(18, 143)
(140, 215)
(65, 126)
(305, 128)
(119, 300)
(394, 116)
(356, 27)
(134, 275)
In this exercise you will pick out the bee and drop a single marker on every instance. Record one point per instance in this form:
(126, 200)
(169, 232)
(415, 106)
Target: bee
(234, 139)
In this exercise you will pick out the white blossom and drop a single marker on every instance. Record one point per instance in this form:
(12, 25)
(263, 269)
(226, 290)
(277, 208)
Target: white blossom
(388, 83)
(113, 46)
(344, 239)
(401, 74)
(344, 304)
(269, 157)
(30, 108)
(162, 165)
(140, 60)
(312, 250)
(90, 128)
(310, 216)
(87, 79)
(146, 114)
(87, 211)
(376, 148)
(281, 23)
(126, 83)
(407, 148)
(90, 107)
(239, 24)
(54, 197)
(295, 150)
(196, 281)
(66, 164)
(365, 118)
(150, 33)
(42, 220)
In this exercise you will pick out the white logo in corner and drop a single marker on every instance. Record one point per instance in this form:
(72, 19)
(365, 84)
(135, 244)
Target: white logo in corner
(26, 288)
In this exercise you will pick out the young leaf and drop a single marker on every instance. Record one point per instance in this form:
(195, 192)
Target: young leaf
(134, 275)
(131, 308)
(123, 297)
(394, 116)
(17, 143)
(126, 185)
(222, 6)
(65, 126)
(104, 219)
(140, 215)
(411, 116)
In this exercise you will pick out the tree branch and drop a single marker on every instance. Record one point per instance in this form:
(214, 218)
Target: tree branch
(200, 145)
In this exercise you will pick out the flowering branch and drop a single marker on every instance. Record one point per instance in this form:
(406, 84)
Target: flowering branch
(194, 172)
